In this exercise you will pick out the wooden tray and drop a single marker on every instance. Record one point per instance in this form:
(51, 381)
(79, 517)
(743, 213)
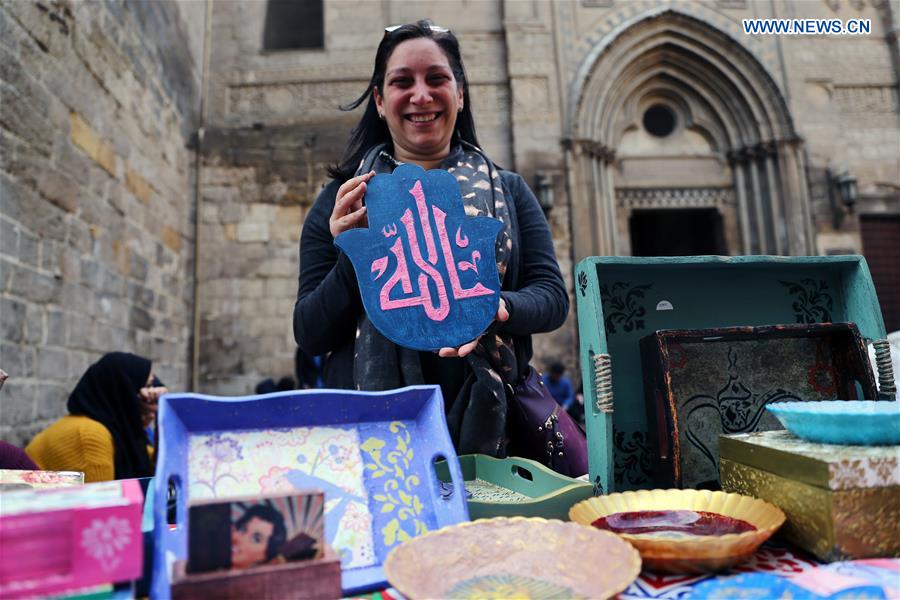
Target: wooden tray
(372, 453)
(516, 487)
(620, 300)
(702, 383)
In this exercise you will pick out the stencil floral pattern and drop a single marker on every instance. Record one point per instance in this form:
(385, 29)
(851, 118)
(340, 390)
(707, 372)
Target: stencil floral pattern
(812, 301)
(632, 458)
(389, 467)
(622, 306)
(104, 540)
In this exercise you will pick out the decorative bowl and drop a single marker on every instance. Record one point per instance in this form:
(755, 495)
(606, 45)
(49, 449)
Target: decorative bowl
(513, 557)
(853, 422)
(687, 553)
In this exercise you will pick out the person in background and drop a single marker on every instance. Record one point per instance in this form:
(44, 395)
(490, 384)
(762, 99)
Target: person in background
(13, 457)
(418, 111)
(103, 435)
(308, 370)
(560, 386)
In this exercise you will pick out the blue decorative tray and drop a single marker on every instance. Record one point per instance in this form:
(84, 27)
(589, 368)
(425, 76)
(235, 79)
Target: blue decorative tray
(857, 422)
(372, 453)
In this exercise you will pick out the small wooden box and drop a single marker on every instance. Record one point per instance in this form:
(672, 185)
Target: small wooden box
(306, 579)
(57, 540)
(841, 502)
(702, 383)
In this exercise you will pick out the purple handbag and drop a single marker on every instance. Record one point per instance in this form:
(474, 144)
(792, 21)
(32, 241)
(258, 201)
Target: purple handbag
(540, 429)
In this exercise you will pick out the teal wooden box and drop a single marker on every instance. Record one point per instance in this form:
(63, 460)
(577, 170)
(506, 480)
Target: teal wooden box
(622, 299)
(510, 487)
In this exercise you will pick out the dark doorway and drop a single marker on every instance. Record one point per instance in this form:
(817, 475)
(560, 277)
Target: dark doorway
(677, 232)
(881, 246)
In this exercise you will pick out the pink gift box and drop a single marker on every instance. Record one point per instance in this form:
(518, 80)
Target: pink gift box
(55, 540)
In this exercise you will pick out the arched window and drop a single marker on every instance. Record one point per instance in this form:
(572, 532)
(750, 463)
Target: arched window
(293, 24)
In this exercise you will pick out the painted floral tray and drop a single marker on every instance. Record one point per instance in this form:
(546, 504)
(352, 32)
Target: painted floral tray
(372, 453)
(516, 487)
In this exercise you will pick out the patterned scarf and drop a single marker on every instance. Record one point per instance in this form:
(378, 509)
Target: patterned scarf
(477, 416)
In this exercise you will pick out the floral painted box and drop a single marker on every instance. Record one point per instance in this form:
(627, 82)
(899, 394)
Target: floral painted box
(841, 502)
(70, 538)
(371, 453)
(624, 299)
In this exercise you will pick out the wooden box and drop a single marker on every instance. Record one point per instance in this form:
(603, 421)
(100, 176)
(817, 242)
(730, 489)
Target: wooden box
(621, 300)
(841, 502)
(317, 579)
(63, 539)
(702, 383)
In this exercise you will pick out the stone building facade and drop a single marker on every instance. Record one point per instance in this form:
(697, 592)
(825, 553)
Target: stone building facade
(645, 127)
(97, 104)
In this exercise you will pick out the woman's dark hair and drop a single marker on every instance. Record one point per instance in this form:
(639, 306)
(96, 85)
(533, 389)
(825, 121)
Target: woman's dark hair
(371, 130)
(264, 512)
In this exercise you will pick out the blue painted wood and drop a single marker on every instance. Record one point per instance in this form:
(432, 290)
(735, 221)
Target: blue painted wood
(427, 273)
(401, 433)
(622, 299)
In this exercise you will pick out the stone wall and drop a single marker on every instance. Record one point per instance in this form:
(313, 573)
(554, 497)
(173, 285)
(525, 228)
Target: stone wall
(98, 102)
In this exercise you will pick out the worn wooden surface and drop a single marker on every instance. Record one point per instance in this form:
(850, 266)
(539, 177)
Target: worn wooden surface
(319, 579)
(699, 384)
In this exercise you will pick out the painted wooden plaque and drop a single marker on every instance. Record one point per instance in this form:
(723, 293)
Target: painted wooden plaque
(427, 273)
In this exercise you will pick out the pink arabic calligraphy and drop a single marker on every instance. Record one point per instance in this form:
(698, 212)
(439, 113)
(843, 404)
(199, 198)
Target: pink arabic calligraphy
(437, 305)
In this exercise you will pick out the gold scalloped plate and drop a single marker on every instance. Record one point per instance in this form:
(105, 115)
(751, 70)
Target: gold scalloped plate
(514, 557)
(691, 553)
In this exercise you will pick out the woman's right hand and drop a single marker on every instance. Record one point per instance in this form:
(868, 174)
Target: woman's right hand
(349, 211)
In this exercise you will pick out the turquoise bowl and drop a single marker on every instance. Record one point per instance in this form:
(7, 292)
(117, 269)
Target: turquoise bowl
(853, 422)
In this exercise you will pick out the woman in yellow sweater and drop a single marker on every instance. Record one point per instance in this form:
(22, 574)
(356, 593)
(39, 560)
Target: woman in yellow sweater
(103, 435)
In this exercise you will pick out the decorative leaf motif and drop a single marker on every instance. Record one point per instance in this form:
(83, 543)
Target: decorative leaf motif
(399, 489)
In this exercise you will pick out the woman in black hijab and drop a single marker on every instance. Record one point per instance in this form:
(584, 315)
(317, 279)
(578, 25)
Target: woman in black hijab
(103, 435)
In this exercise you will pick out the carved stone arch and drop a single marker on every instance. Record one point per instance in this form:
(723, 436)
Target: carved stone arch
(725, 95)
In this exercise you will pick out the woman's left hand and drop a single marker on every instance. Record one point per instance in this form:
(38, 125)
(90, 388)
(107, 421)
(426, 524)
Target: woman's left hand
(466, 349)
(150, 402)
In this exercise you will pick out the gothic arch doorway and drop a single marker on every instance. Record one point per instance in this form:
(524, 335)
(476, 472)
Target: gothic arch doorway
(674, 122)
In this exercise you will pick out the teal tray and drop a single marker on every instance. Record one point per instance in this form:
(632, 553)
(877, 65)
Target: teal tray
(622, 299)
(516, 487)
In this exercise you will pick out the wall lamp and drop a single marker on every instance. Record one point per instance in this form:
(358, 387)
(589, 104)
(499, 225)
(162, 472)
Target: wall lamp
(543, 185)
(842, 195)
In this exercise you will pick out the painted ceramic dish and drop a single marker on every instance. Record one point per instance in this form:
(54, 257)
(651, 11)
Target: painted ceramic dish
(513, 557)
(853, 422)
(680, 552)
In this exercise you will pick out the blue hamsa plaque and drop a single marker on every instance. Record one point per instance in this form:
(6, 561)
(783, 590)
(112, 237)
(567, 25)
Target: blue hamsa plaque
(427, 273)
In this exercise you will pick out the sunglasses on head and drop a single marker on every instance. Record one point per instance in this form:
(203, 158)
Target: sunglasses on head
(435, 28)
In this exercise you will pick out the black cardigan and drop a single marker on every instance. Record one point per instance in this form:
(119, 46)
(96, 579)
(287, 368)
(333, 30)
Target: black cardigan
(328, 302)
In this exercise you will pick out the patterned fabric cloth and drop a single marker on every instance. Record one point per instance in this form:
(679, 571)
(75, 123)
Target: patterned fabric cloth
(477, 417)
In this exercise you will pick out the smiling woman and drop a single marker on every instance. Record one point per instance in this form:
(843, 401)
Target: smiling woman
(418, 111)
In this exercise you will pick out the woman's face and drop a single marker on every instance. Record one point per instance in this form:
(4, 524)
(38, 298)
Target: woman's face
(419, 101)
(248, 545)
